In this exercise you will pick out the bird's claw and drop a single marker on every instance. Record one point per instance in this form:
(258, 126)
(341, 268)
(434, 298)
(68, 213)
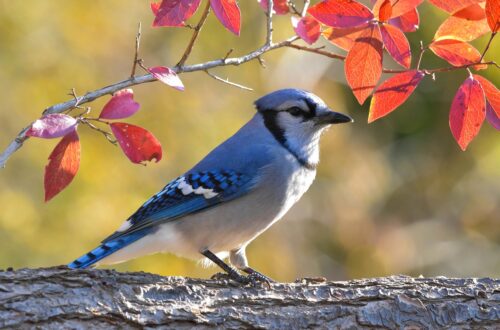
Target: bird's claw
(220, 276)
(257, 279)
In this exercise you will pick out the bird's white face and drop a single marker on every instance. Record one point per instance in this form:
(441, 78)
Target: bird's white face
(300, 122)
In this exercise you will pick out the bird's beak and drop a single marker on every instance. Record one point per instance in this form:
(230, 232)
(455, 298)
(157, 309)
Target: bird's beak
(332, 117)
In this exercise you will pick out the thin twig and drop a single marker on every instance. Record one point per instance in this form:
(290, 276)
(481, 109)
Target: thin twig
(317, 51)
(228, 53)
(453, 68)
(493, 34)
(304, 9)
(195, 35)
(137, 44)
(269, 23)
(226, 81)
(293, 8)
(421, 55)
(76, 98)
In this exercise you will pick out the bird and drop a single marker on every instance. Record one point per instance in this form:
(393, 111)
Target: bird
(236, 192)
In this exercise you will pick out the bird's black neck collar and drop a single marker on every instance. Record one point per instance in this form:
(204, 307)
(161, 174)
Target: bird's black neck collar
(270, 121)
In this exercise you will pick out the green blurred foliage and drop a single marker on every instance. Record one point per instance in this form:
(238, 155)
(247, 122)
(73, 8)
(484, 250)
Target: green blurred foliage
(396, 196)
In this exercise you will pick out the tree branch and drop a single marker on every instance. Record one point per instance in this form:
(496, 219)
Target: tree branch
(181, 68)
(132, 81)
(105, 299)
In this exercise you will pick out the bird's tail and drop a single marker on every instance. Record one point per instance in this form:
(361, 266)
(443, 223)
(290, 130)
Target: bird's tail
(105, 249)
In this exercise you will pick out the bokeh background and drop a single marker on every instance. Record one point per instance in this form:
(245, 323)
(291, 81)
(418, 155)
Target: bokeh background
(395, 196)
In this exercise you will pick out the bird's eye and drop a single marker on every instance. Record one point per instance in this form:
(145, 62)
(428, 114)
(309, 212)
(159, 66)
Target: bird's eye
(295, 111)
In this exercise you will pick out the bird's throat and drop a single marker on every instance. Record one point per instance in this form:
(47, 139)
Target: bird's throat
(270, 121)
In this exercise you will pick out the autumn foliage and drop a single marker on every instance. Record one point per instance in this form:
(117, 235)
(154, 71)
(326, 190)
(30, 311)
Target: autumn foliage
(366, 33)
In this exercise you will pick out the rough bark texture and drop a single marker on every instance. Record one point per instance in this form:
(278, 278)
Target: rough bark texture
(56, 298)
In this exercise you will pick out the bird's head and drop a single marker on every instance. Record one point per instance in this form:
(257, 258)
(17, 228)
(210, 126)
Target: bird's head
(298, 110)
(297, 118)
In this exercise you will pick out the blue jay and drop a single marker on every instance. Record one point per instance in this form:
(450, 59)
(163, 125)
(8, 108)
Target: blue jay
(232, 195)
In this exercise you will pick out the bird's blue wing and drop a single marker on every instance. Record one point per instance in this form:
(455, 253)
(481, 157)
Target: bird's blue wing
(190, 193)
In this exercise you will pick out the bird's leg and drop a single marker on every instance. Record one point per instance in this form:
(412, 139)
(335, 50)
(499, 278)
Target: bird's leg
(238, 258)
(231, 271)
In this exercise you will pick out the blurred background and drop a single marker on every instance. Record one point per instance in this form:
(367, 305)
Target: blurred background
(396, 196)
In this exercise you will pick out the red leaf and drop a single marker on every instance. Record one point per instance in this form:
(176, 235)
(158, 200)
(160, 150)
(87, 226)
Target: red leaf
(492, 117)
(64, 162)
(491, 92)
(344, 38)
(121, 105)
(138, 144)
(167, 76)
(384, 11)
(52, 126)
(393, 92)
(341, 13)
(401, 7)
(363, 64)
(228, 13)
(307, 28)
(455, 52)
(407, 22)
(396, 44)
(173, 12)
(466, 24)
(452, 6)
(467, 112)
(493, 14)
(280, 7)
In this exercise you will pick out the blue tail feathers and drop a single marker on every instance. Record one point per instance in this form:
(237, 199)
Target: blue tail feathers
(106, 249)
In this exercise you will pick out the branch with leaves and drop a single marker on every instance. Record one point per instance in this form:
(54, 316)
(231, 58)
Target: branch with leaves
(362, 32)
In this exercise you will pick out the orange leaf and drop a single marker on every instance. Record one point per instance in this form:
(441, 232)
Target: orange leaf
(382, 9)
(307, 28)
(455, 52)
(363, 64)
(466, 24)
(396, 44)
(138, 144)
(407, 22)
(392, 93)
(344, 38)
(452, 6)
(467, 112)
(173, 12)
(491, 92)
(228, 13)
(341, 13)
(493, 14)
(401, 7)
(64, 162)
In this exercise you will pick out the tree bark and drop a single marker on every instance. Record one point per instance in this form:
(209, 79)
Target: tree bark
(58, 297)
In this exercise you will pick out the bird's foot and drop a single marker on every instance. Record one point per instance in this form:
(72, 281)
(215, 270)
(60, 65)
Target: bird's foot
(257, 279)
(254, 279)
